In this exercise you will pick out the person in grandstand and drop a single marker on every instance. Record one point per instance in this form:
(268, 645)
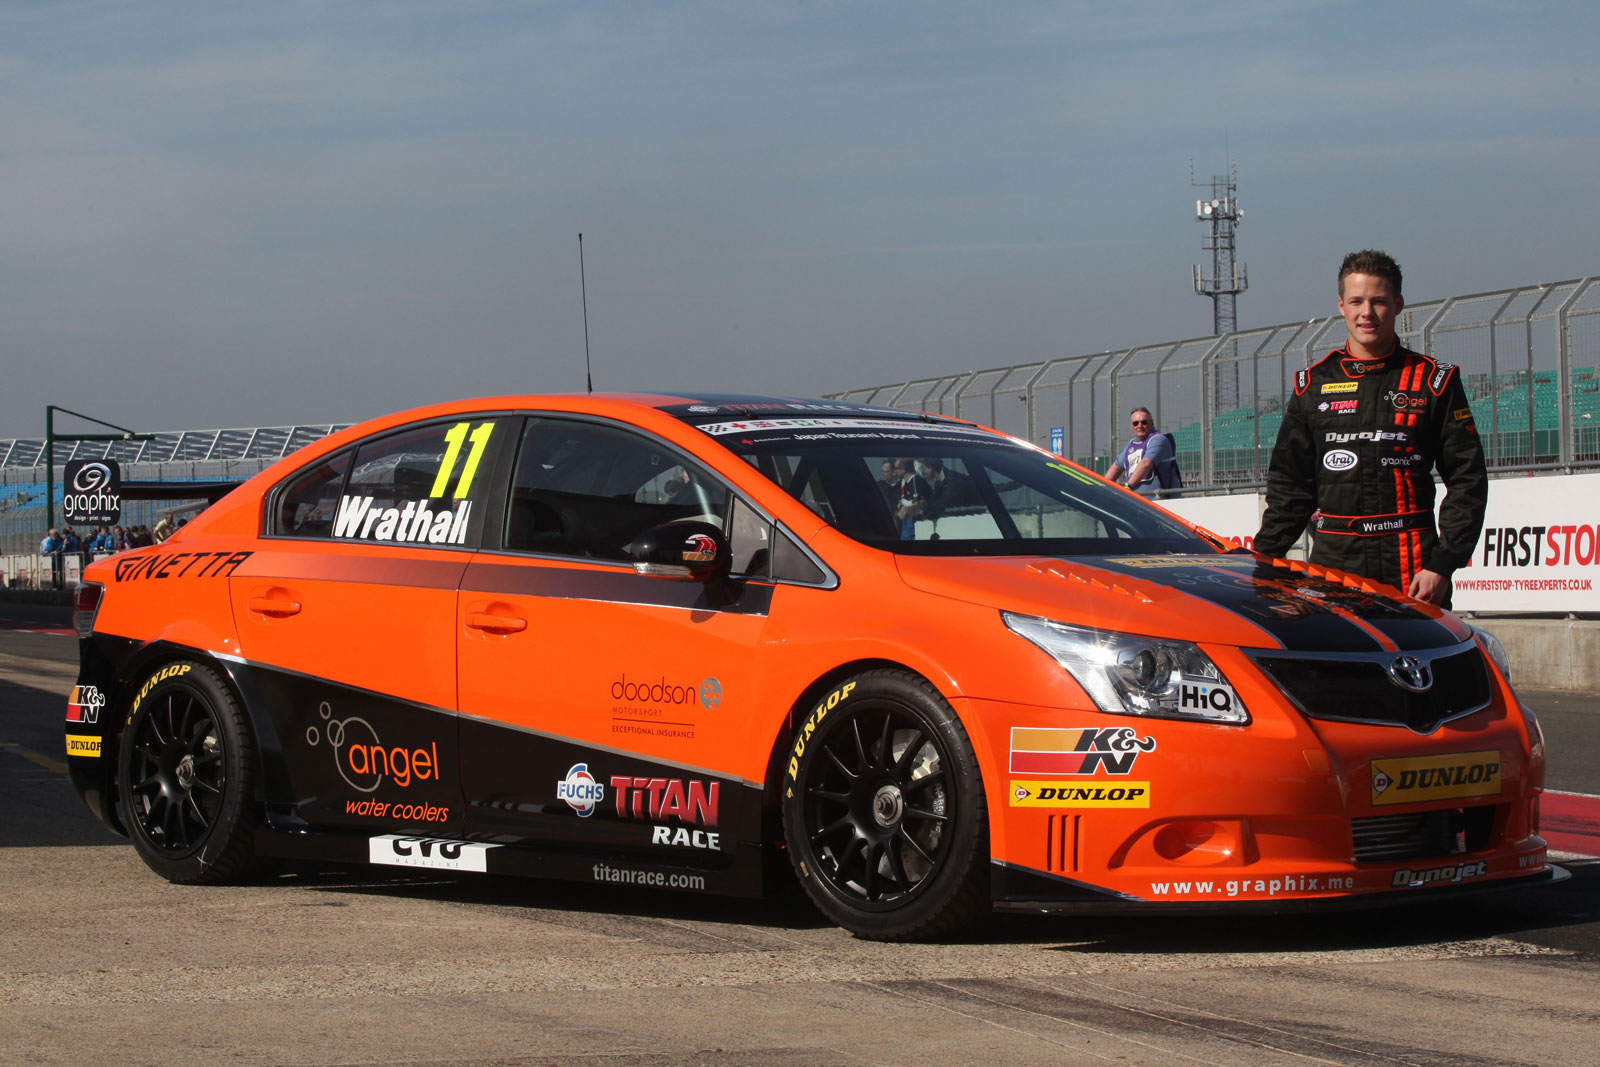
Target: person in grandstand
(1149, 458)
(1360, 438)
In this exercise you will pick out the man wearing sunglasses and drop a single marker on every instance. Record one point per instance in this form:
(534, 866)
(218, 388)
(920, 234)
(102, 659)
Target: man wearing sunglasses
(1148, 458)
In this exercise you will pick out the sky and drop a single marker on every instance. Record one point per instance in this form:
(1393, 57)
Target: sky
(265, 214)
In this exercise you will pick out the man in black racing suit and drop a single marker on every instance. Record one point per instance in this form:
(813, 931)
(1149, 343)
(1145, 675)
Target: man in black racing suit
(1358, 444)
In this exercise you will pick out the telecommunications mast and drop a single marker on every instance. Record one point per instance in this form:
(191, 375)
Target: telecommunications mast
(1227, 278)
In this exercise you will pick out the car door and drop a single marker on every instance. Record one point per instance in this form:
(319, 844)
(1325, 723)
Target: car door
(602, 706)
(346, 623)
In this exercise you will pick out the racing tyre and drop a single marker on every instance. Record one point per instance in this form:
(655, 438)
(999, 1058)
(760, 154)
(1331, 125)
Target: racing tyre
(883, 810)
(186, 777)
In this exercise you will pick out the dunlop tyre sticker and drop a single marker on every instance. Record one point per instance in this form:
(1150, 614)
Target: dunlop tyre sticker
(820, 712)
(177, 670)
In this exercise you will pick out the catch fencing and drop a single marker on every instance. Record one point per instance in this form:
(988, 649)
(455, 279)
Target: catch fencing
(1528, 359)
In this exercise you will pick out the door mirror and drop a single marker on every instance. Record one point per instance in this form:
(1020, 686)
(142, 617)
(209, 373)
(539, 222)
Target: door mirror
(689, 550)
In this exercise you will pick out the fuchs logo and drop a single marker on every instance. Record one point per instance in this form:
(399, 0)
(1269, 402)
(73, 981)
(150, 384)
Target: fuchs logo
(1076, 750)
(84, 704)
(414, 523)
(692, 801)
(580, 790)
(1211, 696)
(1339, 459)
(1403, 401)
(1334, 437)
(699, 548)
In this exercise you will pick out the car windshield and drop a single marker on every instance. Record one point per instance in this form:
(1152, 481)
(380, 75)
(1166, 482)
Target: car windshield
(944, 489)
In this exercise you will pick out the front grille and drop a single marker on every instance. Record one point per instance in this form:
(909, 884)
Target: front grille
(1422, 835)
(1358, 688)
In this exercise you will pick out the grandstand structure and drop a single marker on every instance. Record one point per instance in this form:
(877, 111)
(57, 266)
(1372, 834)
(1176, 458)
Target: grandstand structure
(1528, 359)
(172, 456)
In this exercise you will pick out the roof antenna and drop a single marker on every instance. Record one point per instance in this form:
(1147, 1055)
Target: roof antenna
(584, 287)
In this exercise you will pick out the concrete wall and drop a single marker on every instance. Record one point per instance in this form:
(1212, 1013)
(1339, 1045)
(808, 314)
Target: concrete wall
(1549, 653)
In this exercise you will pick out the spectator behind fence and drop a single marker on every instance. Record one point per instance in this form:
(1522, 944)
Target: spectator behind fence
(165, 527)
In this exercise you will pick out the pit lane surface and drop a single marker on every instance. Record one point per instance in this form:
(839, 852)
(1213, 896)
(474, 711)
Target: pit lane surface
(101, 961)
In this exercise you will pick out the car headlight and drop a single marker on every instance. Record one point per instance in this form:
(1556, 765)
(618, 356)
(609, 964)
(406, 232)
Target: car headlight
(1127, 674)
(1494, 650)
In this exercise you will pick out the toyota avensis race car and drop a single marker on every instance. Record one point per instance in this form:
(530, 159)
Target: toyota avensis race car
(664, 641)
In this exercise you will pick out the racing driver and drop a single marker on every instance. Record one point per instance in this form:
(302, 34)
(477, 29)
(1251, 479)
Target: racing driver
(1358, 445)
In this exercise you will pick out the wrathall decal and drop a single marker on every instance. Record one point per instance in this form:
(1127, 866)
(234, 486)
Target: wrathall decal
(358, 517)
(1334, 437)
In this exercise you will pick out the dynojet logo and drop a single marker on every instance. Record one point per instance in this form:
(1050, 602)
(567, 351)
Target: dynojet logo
(1445, 777)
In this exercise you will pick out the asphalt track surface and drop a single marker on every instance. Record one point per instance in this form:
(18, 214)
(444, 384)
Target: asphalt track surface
(101, 961)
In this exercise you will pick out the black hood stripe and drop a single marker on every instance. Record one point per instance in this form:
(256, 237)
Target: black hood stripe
(1301, 612)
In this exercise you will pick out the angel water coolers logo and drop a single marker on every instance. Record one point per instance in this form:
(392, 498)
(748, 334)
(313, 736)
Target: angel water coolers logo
(92, 493)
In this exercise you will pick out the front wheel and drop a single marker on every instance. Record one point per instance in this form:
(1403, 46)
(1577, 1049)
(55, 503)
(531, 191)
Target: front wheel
(883, 810)
(186, 777)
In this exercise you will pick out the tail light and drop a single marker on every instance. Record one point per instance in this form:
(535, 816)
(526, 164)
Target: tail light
(85, 606)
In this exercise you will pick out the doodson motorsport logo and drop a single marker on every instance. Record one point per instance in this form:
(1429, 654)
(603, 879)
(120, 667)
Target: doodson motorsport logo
(707, 694)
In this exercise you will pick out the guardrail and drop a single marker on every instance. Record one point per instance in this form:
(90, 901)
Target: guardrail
(1529, 358)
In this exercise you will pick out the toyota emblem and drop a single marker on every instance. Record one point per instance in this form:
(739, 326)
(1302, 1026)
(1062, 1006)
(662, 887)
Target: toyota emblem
(1409, 672)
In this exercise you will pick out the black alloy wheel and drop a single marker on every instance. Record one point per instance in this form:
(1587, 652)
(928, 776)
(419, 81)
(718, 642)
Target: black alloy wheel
(186, 769)
(884, 810)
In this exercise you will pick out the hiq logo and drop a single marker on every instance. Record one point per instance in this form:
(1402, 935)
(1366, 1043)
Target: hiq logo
(580, 790)
(1212, 696)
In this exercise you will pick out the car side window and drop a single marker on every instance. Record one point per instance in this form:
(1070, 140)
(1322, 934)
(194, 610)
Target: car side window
(426, 485)
(762, 549)
(308, 503)
(585, 489)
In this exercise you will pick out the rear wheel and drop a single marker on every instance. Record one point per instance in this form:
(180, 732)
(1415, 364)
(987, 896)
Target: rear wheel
(186, 775)
(883, 810)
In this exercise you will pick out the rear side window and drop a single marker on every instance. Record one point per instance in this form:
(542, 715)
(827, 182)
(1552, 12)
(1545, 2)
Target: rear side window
(425, 485)
(308, 503)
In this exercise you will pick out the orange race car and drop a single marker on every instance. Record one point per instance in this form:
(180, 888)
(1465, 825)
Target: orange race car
(661, 641)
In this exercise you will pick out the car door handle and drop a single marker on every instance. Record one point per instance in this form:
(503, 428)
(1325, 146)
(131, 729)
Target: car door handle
(496, 624)
(267, 605)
